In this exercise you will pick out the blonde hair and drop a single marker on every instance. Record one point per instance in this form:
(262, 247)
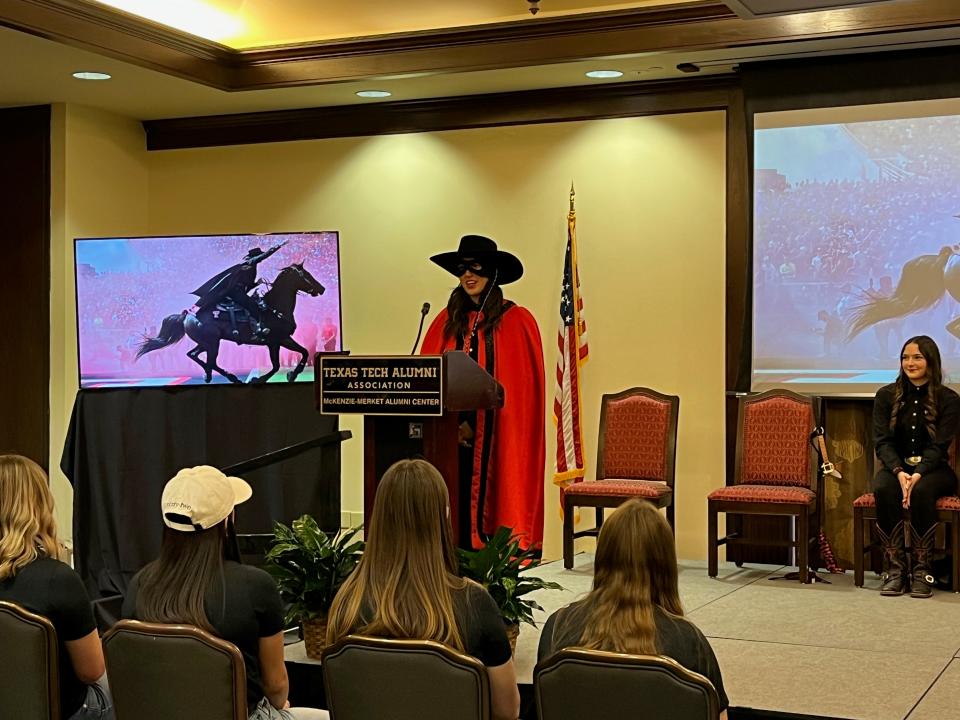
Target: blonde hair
(27, 528)
(635, 571)
(404, 585)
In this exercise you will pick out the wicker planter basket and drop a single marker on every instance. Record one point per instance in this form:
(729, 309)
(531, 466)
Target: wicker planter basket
(315, 636)
(513, 632)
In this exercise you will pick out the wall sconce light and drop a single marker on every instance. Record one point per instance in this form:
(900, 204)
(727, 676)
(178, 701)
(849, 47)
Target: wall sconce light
(534, 6)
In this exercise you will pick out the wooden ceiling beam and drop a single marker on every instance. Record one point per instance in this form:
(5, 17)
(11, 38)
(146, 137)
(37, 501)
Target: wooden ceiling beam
(694, 27)
(109, 32)
(453, 113)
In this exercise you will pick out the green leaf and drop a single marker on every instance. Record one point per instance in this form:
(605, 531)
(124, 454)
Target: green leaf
(503, 567)
(309, 566)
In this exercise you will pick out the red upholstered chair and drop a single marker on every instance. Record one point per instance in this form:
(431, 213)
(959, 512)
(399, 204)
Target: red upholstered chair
(775, 473)
(865, 514)
(636, 457)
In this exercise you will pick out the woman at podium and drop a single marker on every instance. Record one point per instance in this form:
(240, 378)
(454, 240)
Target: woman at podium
(501, 451)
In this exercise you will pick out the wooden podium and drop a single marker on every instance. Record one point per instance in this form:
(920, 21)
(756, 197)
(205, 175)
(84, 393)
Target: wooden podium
(389, 433)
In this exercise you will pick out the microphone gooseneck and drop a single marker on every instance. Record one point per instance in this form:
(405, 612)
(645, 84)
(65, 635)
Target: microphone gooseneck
(423, 314)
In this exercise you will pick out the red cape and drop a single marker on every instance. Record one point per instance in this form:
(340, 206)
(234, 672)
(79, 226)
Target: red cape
(512, 487)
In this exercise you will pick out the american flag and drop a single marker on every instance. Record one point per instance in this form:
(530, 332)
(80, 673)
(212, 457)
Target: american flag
(572, 344)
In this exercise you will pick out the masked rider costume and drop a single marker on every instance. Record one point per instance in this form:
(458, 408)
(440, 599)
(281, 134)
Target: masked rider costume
(235, 283)
(502, 466)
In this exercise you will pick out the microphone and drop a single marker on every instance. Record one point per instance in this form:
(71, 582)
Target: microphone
(423, 314)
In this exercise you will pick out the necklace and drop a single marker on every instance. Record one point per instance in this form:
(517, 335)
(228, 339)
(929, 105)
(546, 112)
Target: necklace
(468, 338)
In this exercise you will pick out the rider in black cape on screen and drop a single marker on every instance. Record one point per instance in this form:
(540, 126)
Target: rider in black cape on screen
(272, 318)
(235, 283)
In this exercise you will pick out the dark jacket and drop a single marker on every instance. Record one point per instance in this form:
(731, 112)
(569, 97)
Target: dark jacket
(910, 436)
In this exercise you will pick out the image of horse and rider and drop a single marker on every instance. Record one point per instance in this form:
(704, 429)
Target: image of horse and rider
(924, 281)
(229, 308)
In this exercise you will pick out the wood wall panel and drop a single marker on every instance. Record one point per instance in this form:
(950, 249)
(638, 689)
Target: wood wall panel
(25, 288)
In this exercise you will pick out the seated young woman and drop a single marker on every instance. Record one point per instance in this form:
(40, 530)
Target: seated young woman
(915, 419)
(407, 586)
(193, 583)
(634, 606)
(32, 576)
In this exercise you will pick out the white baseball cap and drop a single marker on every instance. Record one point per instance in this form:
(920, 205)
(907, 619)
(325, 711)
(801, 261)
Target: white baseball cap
(200, 497)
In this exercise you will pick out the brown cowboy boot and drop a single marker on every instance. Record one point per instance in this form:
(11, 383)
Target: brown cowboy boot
(894, 561)
(921, 577)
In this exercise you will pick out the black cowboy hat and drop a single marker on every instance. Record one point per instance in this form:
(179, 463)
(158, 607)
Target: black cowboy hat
(252, 252)
(484, 251)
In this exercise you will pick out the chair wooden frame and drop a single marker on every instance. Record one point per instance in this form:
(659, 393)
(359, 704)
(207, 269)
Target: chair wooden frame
(137, 627)
(601, 500)
(660, 662)
(52, 650)
(444, 652)
(803, 514)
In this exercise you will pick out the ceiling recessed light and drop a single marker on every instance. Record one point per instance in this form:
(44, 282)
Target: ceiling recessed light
(90, 75)
(604, 74)
(374, 93)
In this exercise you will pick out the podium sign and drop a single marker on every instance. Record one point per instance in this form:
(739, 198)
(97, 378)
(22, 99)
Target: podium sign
(412, 406)
(381, 385)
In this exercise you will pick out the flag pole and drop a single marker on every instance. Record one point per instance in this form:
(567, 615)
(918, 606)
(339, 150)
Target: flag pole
(572, 224)
(573, 354)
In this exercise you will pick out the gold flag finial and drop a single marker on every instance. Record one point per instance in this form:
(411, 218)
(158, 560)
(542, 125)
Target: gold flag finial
(572, 195)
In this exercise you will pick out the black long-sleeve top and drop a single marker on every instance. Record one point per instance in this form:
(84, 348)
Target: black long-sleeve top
(910, 436)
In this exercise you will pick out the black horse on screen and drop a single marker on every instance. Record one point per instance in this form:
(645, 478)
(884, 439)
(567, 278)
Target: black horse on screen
(271, 324)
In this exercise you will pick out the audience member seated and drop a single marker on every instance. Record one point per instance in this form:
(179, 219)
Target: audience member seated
(406, 586)
(634, 606)
(192, 583)
(32, 576)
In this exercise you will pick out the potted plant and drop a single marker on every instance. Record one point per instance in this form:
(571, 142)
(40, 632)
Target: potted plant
(309, 568)
(502, 567)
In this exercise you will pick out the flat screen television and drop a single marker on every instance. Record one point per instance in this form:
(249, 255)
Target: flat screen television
(192, 309)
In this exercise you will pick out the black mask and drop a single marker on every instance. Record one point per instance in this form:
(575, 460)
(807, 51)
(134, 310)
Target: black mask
(475, 266)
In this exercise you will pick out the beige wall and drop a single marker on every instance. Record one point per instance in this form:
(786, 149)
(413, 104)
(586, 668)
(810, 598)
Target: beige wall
(650, 206)
(99, 178)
